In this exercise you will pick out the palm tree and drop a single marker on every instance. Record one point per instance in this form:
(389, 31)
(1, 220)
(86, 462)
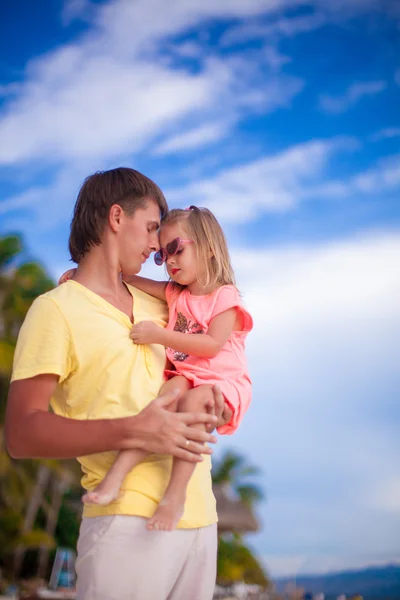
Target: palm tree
(10, 247)
(19, 286)
(236, 562)
(236, 498)
(23, 484)
(231, 472)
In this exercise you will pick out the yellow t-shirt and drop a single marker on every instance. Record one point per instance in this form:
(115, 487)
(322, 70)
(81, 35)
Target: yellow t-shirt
(74, 333)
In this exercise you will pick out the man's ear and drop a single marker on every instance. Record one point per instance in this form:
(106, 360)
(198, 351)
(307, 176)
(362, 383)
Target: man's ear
(114, 217)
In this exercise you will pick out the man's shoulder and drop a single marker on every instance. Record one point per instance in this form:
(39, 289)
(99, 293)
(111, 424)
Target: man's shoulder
(55, 301)
(57, 295)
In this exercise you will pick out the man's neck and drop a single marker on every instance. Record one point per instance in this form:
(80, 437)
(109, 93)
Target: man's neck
(100, 273)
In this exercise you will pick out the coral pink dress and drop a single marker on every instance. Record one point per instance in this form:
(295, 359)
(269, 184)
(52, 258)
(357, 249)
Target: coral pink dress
(192, 315)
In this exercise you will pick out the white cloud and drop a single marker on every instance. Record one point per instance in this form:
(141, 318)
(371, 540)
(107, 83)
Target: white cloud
(195, 138)
(379, 178)
(323, 358)
(386, 133)
(188, 50)
(271, 25)
(116, 88)
(275, 183)
(386, 495)
(280, 27)
(76, 9)
(10, 89)
(358, 90)
(161, 19)
(275, 59)
(302, 285)
(102, 95)
(83, 116)
(384, 177)
(46, 205)
(280, 182)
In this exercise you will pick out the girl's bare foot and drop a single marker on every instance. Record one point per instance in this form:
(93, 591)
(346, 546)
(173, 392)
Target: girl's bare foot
(103, 494)
(168, 513)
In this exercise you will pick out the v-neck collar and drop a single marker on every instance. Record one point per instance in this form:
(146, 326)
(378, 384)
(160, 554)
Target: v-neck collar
(103, 302)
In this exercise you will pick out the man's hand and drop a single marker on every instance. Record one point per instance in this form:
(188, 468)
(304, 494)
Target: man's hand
(161, 431)
(146, 332)
(219, 408)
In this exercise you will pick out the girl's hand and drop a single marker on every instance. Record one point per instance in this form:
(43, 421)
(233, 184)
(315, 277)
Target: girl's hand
(146, 332)
(67, 275)
(219, 408)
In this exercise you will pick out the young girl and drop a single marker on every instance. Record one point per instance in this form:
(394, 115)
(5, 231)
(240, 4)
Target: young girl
(203, 301)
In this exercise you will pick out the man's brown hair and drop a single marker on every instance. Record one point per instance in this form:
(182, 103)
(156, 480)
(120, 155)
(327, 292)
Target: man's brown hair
(126, 187)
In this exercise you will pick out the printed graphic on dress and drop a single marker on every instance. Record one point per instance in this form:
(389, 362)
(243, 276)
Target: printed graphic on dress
(184, 326)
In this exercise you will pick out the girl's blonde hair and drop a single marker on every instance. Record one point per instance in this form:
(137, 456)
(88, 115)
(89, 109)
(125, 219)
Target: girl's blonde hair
(203, 228)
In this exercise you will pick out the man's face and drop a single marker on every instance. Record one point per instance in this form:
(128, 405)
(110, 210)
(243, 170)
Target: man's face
(138, 237)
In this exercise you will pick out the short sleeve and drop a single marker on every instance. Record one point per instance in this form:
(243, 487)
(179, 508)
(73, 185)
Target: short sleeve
(228, 297)
(44, 342)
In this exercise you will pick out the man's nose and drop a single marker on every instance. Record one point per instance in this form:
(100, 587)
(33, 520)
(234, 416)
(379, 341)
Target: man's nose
(155, 243)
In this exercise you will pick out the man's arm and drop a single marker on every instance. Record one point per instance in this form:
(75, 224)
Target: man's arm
(206, 345)
(33, 432)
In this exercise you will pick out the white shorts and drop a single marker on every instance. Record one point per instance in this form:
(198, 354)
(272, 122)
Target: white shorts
(119, 559)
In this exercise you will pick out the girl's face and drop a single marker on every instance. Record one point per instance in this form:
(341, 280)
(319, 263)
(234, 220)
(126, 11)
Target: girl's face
(183, 266)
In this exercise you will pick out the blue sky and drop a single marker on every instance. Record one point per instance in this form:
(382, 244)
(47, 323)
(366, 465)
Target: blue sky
(282, 117)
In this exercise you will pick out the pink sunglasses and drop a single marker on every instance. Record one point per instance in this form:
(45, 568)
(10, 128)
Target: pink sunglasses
(170, 249)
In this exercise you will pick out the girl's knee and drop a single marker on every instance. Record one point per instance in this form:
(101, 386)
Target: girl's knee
(175, 383)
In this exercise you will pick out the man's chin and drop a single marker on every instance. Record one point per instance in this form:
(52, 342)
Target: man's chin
(132, 271)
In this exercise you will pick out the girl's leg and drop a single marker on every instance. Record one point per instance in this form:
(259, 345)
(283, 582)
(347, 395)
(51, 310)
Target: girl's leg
(108, 490)
(171, 507)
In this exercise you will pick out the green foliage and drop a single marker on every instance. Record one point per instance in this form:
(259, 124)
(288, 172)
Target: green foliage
(6, 357)
(20, 288)
(20, 284)
(11, 536)
(36, 539)
(236, 562)
(10, 525)
(10, 247)
(67, 531)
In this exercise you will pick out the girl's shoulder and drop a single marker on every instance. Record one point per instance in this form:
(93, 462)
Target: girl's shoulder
(227, 297)
(173, 290)
(226, 293)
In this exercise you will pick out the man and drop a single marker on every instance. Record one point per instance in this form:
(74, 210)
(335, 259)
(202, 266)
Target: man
(74, 351)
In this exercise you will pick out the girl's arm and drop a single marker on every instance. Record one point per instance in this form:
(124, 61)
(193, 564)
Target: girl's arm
(206, 345)
(153, 288)
(149, 286)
